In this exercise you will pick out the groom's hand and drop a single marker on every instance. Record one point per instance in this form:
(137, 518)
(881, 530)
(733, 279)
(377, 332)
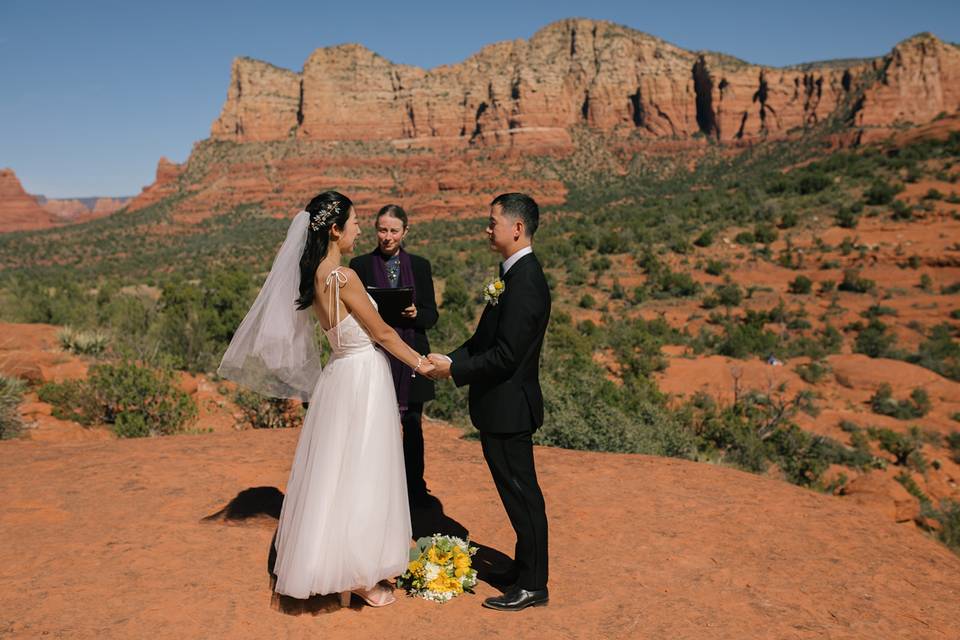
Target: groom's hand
(441, 365)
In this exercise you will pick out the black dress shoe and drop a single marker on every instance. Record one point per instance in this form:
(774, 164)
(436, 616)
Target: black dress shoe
(518, 599)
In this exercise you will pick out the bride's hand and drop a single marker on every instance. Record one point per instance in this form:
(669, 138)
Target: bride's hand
(426, 368)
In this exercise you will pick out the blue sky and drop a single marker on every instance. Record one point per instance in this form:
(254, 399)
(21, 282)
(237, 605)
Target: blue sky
(93, 92)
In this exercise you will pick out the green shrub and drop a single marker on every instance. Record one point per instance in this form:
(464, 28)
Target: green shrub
(11, 394)
(587, 301)
(813, 372)
(877, 310)
(883, 403)
(576, 274)
(846, 218)
(745, 237)
(715, 267)
(765, 233)
(136, 401)
(586, 411)
(939, 352)
(600, 264)
(853, 283)
(948, 516)
(881, 192)
(902, 446)
(901, 211)
(262, 412)
(874, 340)
(788, 220)
(801, 285)
(953, 443)
(705, 239)
(950, 289)
(616, 291)
(89, 343)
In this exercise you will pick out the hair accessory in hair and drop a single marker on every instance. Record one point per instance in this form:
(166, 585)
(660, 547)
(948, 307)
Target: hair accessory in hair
(327, 213)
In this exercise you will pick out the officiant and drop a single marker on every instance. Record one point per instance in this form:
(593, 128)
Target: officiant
(389, 266)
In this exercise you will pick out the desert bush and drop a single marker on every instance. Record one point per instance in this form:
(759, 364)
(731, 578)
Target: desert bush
(11, 394)
(705, 239)
(853, 283)
(263, 412)
(901, 446)
(757, 429)
(901, 210)
(788, 220)
(576, 274)
(874, 340)
(600, 264)
(877, 310)
(948, 515)
(765, 233)
(813, 372)
(881, 192)
(586, 411)
(953, 443)
(882, 402)
(587, 301)
(801, 285)
(715, 267)
(846, 218)
(950, 289)
(664, 283)
(88, 343)
(137, 401)
(939, 352)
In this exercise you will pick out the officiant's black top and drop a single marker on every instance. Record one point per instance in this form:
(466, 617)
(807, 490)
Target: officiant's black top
(421, 389)
(501, 361)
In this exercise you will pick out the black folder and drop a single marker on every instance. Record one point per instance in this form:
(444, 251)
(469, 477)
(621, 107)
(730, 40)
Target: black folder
(392, 302)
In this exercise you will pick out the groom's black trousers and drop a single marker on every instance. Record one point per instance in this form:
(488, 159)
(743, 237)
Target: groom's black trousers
(412, 421)
(510, 459)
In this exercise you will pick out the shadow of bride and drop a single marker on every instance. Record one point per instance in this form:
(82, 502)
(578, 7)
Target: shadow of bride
(263, 505)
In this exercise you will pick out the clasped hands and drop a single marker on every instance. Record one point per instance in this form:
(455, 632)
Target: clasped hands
(441, 366)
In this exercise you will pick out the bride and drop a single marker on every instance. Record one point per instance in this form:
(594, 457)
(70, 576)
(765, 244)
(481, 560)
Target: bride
(345, 523)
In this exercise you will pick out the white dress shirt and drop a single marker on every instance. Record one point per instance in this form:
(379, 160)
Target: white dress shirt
(512, 260)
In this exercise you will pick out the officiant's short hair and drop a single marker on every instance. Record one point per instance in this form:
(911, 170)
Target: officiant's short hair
(520, 206)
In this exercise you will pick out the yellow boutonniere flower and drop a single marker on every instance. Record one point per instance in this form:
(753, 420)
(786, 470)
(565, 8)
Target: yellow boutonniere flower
(493, 290)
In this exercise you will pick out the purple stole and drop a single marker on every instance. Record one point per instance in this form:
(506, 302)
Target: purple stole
(402, 374)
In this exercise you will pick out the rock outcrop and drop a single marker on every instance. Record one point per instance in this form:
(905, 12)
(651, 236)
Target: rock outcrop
(19, 211)
(580, 72)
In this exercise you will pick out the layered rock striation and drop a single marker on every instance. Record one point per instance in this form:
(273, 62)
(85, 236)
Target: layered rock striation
(580, 72)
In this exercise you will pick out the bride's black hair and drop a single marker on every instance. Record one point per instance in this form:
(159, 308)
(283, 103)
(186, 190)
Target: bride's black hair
(327, 209)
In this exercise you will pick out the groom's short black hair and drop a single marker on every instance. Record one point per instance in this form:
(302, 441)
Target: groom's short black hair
(520, 206)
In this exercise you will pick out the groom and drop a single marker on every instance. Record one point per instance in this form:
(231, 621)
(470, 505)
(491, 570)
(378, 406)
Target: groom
(501, 363)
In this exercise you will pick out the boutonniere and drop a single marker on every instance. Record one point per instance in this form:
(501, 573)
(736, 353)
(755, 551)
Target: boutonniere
(492, 291)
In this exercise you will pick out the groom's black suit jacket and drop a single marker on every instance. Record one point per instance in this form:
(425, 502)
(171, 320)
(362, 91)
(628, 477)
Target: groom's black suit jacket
(501, 361)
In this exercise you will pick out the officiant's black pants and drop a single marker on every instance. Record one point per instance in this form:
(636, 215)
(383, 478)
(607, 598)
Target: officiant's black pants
(510, 459)
(412, 421)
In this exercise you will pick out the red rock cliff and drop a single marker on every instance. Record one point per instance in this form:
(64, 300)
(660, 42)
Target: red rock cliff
(579, 71)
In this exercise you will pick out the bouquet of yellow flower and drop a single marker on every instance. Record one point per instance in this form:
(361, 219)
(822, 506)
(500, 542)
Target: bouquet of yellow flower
(439, 569)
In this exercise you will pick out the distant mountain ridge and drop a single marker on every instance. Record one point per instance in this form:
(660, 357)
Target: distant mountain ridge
(21, 211)
(573, 72)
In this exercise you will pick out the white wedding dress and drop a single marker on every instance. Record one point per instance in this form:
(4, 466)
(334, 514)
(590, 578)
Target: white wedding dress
(345, 521)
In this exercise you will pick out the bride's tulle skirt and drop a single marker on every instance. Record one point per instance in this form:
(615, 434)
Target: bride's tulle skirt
(345, 522)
